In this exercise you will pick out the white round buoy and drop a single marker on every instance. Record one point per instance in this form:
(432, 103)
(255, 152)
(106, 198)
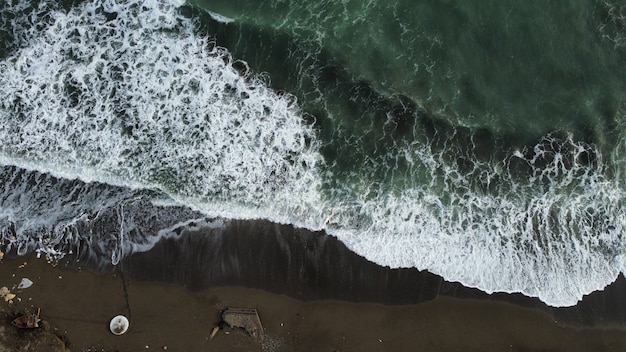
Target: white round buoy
(119, 325)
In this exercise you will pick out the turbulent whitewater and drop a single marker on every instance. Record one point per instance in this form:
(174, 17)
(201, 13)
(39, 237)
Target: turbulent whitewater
(124, 119)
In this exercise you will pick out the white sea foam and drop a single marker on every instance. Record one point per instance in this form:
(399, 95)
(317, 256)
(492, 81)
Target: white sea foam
(178, 2)
(220, 18)
(127, 93)
(557, 235)
(143, 100)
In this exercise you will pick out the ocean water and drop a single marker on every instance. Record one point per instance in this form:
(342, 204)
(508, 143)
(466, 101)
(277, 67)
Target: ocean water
(480, 140)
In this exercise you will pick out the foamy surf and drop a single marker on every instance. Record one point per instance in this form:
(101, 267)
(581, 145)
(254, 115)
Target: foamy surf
(122, 112)
(128, 95)
(557, 236)
(143, 101)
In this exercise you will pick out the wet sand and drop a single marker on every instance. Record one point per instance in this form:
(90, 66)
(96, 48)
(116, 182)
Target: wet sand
(174, 295)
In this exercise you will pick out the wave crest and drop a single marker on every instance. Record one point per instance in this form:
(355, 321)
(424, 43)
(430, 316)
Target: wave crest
(128, 93)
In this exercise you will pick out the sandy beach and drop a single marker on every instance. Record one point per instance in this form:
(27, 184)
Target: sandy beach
(173, 302)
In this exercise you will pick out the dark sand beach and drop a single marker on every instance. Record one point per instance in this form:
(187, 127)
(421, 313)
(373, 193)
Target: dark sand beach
(311, 293)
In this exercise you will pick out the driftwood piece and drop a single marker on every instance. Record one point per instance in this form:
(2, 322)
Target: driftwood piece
(214, 332)
(245, 318)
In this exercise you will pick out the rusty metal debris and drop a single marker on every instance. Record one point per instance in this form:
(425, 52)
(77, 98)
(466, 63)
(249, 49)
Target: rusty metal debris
(28, 321)
(245, 318)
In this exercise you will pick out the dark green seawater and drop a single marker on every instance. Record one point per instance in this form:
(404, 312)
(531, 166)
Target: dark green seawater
(510, 67)
(498, 75)
(481, 140)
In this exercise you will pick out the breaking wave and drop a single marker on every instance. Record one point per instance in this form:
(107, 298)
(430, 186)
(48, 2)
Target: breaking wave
(121, 121)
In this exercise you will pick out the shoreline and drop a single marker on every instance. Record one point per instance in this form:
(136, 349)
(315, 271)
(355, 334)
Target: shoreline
(308, 265)
(311, 294)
